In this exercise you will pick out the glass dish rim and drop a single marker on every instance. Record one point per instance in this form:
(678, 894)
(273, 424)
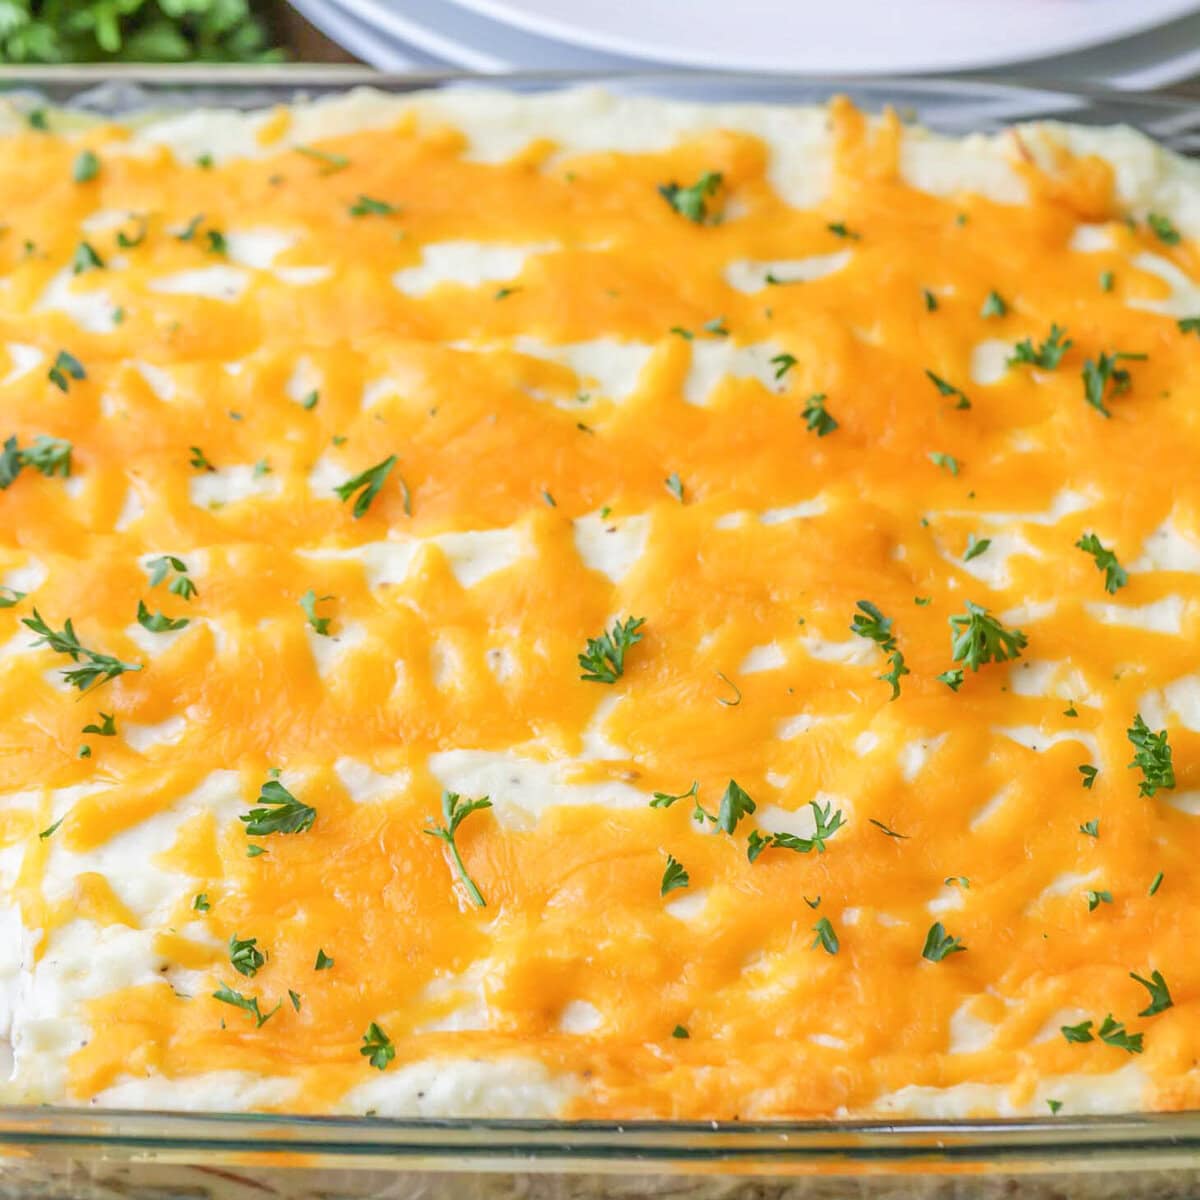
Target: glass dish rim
(476, 1144)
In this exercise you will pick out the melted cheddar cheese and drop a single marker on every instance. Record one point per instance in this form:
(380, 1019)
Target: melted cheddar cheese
(733, 408)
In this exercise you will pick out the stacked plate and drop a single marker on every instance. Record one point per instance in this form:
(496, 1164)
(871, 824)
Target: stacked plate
(1131, 44)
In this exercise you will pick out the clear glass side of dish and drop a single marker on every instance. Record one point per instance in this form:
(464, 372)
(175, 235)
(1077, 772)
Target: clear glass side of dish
(91, 1154)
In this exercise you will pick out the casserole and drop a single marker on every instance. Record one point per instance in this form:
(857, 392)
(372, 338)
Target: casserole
(1004, 104)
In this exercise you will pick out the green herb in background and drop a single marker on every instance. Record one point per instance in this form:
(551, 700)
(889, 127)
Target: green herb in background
(61, 31)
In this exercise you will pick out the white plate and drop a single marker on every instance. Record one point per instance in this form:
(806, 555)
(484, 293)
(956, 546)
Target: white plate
(359, 39)
(464, 38)
(829, 36)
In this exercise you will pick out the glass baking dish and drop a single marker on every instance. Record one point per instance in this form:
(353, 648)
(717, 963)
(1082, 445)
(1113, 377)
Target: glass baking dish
(89, 1154)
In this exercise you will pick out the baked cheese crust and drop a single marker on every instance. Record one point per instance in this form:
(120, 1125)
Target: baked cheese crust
(787, 522)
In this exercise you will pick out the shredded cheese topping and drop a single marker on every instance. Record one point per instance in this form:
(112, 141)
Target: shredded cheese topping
(398, 476)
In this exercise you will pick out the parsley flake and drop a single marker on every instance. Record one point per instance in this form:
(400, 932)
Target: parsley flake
(1106, 561)
(1089, 774)
(1152, 756)
(86, 259)
(1163, 229)
(245, 956)
(826, 938)
(1155, 883)
(839, 229)
(201, 902)
(692, 202)
(157, 622)
(674, 485)
(816, 419)
(1160, 994)
(1113, 1033)
(945, 388)
(976, 547)
(825, 824)
(329, 162)
(368, 485)
(367, 206)
(1096, 898)
(939, 944)
(377, 1047)
(1047, 356)
(180, 585)
(248, 1004)
(86, 166)
(1104, 375)
(323, 962)
(97, 669)
(977, 638)
(994, 306)
(309, 602)
(675, 876)
(783, 363)
(1091, 828)
(603, 659)
(279, 812)
(455, 810)
(931, 303)
(65, 368)
(946, 461)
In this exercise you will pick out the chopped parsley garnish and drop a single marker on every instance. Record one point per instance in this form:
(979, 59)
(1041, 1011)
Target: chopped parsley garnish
(953, 678)
(86, 166)
(977, 638)
(825, 825)
(692, 202)
(10, 597)
(367, 206)
(1151, 755)
(214, 242)
(295, 999)
(603, 660)
(189, 230)
(716, 327)
(377, 1047)
(279, 812)
(324, 962)
(368, 484)
(51, 831)
(938, 944)
(65, 368)
(106, 728)
(960, 880)
(162, 566)
(1113, 1032)
(329, 162)
(946, 461)
(1163, 229)
(504, 293)
(826, 937)
(1054, 1106)
(1189, 325)
(47, 455)
(1096, 898)
(931, 303)
(680, 1031)
(1105, 376)
(945, 388)
(871, 624)
(735, 804)
(1089, 774)
(1106, 561)
(1155, 883)
(1078, 1033)
(816, 419)
(1091, 828)
(157, 622)
(248, 1004)
(97, 669)
(86, 259)
(1160, 994)
(675, 876)
(900, 837)
(37, 119)
(455, 810)
(245, 956)
(736, 690)
(783, 363)
(665, 799)
(839, 229)
(1047, 356)
(201, 902)
(675, 485)
(994, 306)
(198, 460)
(309, 602)
(976, 547)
